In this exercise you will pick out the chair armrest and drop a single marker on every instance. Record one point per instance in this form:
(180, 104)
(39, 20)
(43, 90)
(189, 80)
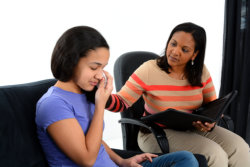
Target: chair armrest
(134, 122)
(155, 129)
(226, 122)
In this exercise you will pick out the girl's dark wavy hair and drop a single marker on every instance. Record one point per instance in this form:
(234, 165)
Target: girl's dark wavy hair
(192, 72)
(74, 44)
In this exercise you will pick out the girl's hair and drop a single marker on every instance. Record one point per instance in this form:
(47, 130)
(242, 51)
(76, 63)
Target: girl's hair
(192, 72)
(74, 44)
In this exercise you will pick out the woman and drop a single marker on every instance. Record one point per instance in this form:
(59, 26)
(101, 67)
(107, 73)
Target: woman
(180, 80)
(69, 115)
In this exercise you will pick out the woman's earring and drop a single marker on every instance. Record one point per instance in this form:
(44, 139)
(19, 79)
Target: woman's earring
(192, 62)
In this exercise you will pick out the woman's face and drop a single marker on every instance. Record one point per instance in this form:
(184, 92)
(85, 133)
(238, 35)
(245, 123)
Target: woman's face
(88, 71)
(180, 49)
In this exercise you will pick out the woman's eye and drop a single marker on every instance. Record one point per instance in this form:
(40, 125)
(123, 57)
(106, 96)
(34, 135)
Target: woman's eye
(93, 68)
(185, 50)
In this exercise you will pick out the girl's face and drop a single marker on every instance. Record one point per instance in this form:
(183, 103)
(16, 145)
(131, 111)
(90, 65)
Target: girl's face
(88, 71)
(180, 49)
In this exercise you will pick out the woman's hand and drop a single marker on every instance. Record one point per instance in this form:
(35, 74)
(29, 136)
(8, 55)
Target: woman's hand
(203, 127)
(136, 160)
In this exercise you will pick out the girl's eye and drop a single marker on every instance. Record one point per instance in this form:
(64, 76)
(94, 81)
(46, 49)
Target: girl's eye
(92, 68)
(173, 44)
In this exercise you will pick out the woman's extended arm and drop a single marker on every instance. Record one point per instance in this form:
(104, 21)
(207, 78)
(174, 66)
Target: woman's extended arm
(126, 97)
(131, 91)
(116, 104)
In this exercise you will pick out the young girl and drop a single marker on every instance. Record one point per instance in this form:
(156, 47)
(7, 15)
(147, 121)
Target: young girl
(70, 114)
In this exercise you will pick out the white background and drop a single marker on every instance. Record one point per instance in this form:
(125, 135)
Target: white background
(29, 30)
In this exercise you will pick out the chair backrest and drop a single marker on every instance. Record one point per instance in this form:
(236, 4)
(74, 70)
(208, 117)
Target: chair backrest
(124, 66)
(19, 145)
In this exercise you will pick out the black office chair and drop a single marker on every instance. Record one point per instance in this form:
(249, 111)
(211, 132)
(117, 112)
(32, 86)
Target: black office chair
(124, 66)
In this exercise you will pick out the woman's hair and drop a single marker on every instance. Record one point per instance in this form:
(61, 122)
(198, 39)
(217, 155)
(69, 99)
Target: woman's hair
(74, 44)
(192, 72)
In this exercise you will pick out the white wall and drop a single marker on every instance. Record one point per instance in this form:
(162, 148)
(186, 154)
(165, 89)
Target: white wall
(30, 28)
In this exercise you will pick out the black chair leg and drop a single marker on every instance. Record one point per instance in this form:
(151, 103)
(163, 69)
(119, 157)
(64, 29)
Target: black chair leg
(201, 159)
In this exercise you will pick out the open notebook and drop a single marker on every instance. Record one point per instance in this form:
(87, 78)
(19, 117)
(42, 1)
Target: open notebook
(179, 120)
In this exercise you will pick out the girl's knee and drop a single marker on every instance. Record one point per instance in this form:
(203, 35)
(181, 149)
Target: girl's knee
(186, 154)
(188, 158)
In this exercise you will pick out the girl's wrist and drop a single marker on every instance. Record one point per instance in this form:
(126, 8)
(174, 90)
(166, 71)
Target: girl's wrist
(99, 107)
(121, 162)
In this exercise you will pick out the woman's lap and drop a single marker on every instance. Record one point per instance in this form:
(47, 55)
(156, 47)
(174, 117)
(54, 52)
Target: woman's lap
(217, 145)
(178, 140)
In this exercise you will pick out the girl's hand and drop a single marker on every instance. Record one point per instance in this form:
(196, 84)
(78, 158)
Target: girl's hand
(136, 160)
(203, 127)
(104, 90)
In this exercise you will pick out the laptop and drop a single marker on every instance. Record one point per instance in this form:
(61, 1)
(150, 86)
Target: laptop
(179, 120)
